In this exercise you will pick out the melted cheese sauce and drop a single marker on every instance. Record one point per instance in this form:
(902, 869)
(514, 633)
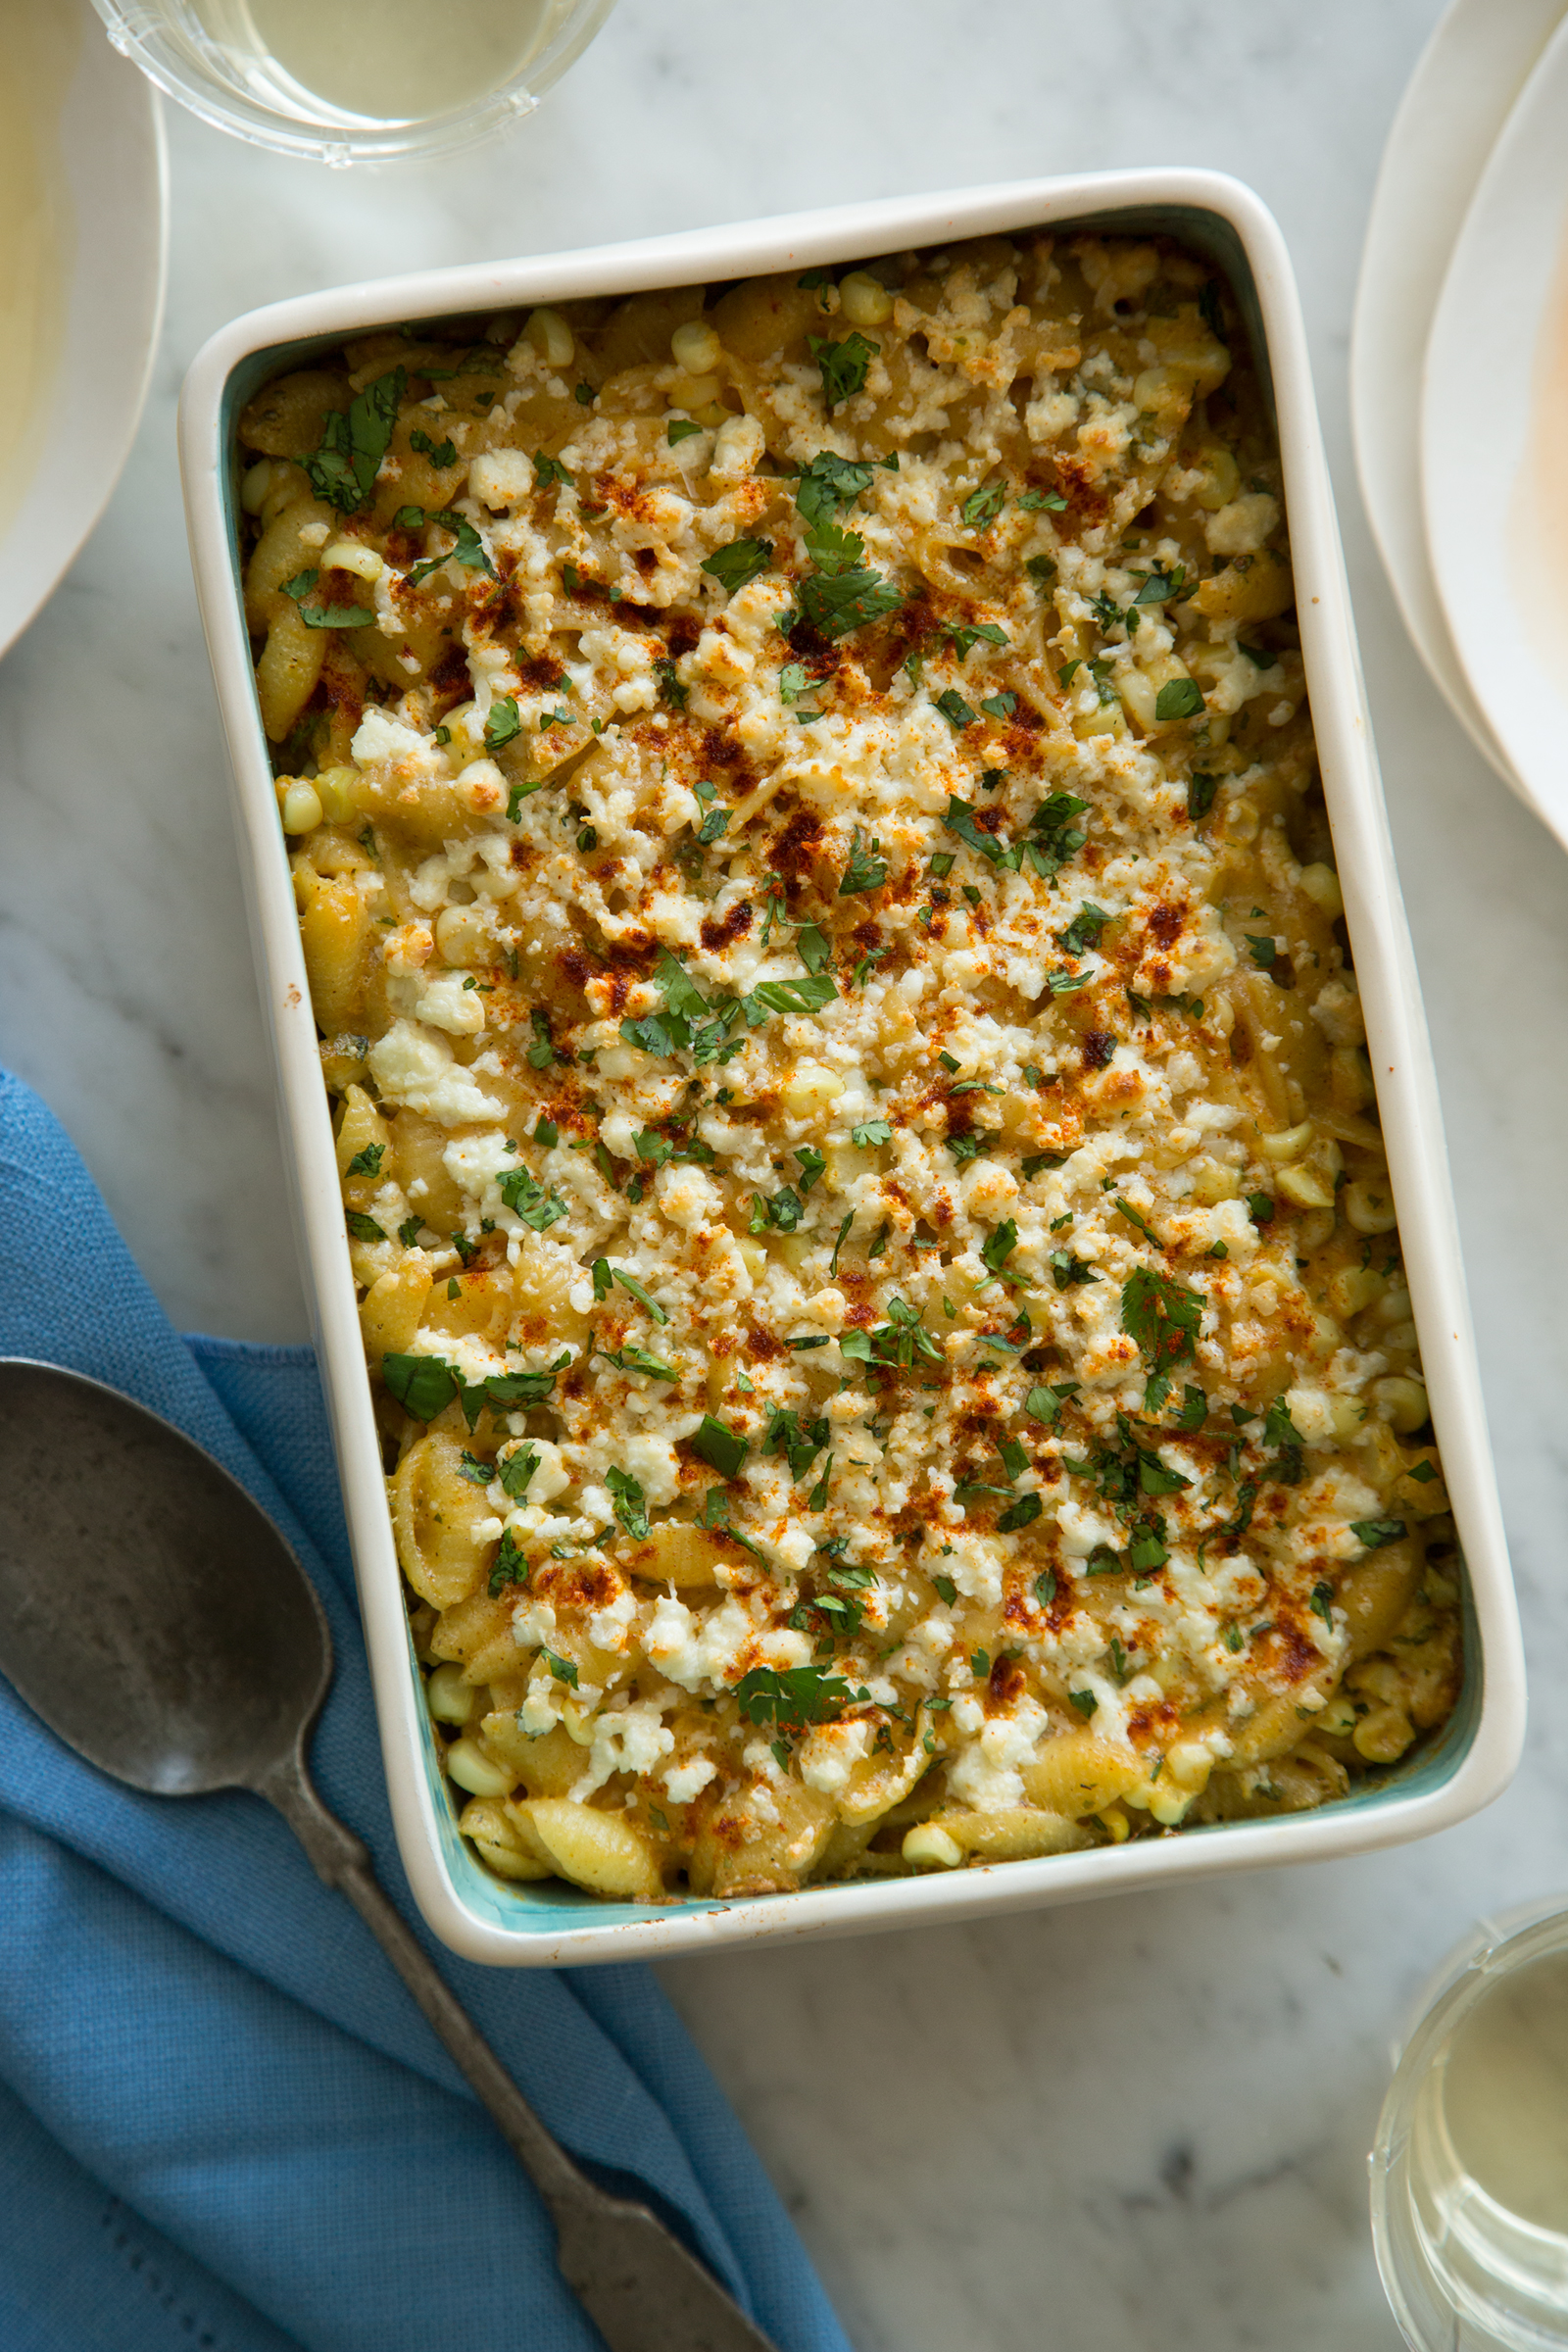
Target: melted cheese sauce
(38, 49)
(860, 1155)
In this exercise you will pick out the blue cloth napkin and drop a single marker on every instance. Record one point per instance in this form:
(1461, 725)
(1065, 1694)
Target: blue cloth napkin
(223, 2122)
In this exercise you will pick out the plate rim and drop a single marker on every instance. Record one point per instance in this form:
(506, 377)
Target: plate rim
(142, 120)
(1393, 284)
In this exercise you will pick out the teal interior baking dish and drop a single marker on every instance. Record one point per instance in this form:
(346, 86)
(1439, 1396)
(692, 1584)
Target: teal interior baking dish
(1452, 1775)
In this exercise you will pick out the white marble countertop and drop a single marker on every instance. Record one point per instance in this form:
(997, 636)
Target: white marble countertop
(1134, 2123)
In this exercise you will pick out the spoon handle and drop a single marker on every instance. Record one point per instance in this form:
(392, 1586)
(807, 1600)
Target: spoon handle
(637, 2283)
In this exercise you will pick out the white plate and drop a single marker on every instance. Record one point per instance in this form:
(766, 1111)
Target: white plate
(1469, 74)
(1495, 475)
(550, 1926)
(84, 276)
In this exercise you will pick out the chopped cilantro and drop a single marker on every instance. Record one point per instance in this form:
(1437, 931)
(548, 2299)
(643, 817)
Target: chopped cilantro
(511, 1565)
(1374, 1533)
(732, 566)
(343, 470)
(502, 723)
(1200, 791)
(1179, 698)
(680, 428)
(870, 1133)
(843, 365)
(981, 506)
(721, 1447)
(867, 869)
(955, 709)
(630, 1503)
(1161, 1315)
(1263, 951)
(796, 1696)
(469, 551)
(362, 1228)
(366, 1162)
(441, 454)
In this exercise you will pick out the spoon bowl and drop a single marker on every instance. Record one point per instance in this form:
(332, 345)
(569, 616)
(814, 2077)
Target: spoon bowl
(154, 1616)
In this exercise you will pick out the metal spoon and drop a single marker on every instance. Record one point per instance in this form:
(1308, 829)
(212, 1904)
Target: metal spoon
(155, 1618)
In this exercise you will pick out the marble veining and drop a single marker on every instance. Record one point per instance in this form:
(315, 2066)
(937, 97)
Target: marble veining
(1140, 2124)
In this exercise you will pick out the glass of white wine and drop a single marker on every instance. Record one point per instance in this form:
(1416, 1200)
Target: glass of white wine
(1470, 2169)
(355, 80)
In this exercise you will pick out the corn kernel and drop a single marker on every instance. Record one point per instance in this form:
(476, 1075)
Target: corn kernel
(1401, 1401)
(335, 790)
(1321, 885)
(300, 805)
(695, 348)
(468, 1765)
(1382, 1735)
(551, 337)
(865, 299)
(449, 1698)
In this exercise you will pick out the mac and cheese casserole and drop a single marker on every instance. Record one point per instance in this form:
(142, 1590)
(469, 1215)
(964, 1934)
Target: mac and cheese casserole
(858, 1151)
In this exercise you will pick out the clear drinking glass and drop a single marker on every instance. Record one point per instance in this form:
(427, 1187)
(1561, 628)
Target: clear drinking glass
(1470, 2168)
(355, 80)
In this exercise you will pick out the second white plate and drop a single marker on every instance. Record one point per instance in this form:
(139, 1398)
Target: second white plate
(1468, 78)
(1494, 468)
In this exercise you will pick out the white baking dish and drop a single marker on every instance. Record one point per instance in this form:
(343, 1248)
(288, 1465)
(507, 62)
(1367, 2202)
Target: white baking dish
(1473, 1759)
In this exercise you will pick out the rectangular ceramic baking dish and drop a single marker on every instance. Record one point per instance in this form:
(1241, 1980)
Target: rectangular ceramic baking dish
(549, 1925)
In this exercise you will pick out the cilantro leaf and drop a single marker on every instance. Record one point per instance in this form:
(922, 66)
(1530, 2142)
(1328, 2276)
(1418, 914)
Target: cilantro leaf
(955, 709)
(628, 1282)
(1179, 698)
(680, 428)
(1022, 1513)
(562, 1669)
(469, 551)
(343, 470)
(870, 1133)
(528, 1200)
(424, 1385)
(366, 1162)
(721, 1447)
(516, 1470)
(441, 455)
(828, 483)
(502, 723)
(961, 819)
(362, 1228)
(1200, 791)
(638, 1359)
(1374, 1533)
(732, 566)
(981, 506)
(807, 995)
(1083, 932)
(1263, 951)
(867, 869)
(794, 1698)
(1001, 1246)
(324, 616)
(843, 365)
(630, 1505)
(1161, 1315)
(511, 1565)
(814, 948)
(812, 1162)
